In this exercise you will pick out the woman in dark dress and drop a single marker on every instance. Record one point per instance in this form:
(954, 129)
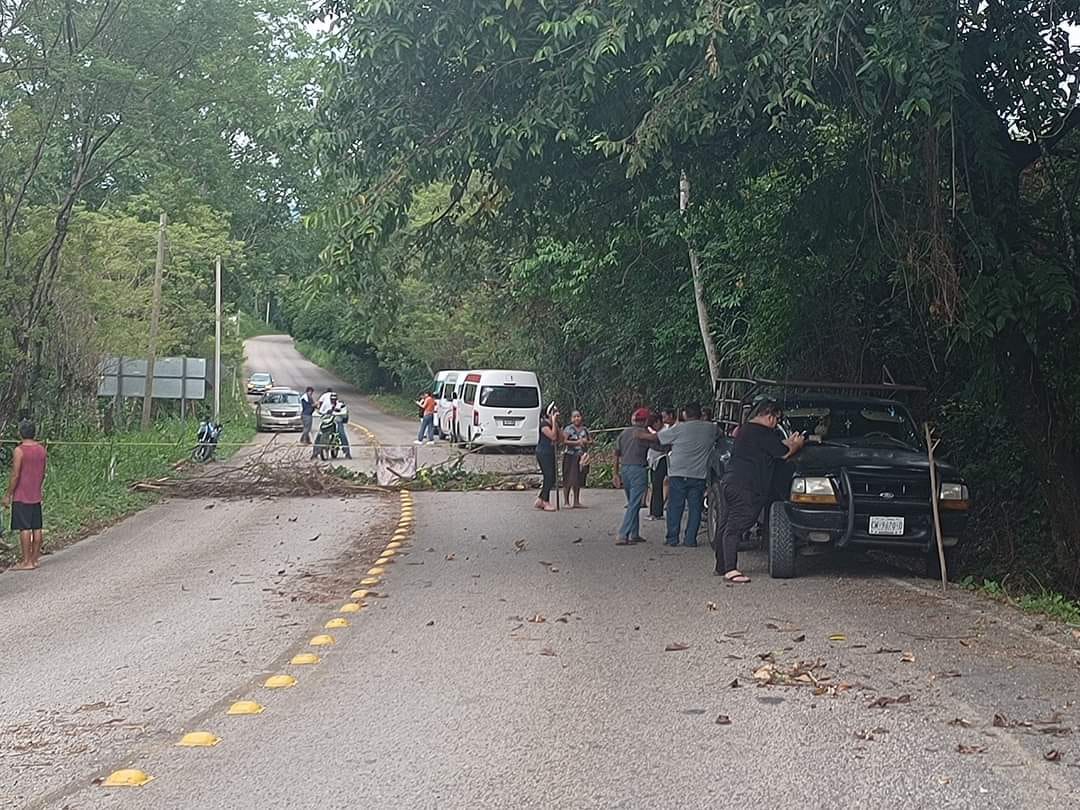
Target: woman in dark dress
(545, 455)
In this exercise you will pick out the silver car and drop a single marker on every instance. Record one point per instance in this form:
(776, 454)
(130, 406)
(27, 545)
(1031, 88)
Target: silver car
(279, 409)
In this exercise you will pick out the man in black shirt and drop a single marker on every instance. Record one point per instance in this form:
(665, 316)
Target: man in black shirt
(747, 481)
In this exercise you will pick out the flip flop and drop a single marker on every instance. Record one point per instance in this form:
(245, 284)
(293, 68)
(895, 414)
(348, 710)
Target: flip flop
(638, 540)
(736, 576)
(622, 541)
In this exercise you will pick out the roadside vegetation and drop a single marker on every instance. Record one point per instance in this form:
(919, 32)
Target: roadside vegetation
(873, 192)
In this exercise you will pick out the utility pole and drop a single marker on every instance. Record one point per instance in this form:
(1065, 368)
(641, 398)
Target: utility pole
(155, 314)
(711, 354)
(268, 307)
(217, 340)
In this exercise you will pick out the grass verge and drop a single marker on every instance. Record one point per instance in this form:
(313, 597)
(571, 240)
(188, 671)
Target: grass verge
(87, 486)
(1045, 603)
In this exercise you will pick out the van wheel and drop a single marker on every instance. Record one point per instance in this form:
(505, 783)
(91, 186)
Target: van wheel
(781, 543)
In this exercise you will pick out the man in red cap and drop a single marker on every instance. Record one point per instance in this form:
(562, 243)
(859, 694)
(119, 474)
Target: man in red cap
(632, 474)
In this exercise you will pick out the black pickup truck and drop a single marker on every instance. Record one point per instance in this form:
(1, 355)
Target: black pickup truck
(861, 482)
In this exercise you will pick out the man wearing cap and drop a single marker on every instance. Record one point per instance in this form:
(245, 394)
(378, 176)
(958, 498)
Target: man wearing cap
(632, 473)
(691, 441)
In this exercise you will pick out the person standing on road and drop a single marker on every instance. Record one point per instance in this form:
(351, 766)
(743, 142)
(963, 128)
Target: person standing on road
(545, 456)
(324, 400)
(658, 466)
(24, 495)
(747, 482)
(427, 406)
(631, 474)
(575, 462)
(307, 413)
(691, 442)
(341, 419)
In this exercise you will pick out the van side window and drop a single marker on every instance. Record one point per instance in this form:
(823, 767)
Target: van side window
(470, 392)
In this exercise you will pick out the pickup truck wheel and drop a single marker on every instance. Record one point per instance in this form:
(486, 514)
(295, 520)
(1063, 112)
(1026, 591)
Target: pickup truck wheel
(715, 516)
(781, 543)
(933, 564)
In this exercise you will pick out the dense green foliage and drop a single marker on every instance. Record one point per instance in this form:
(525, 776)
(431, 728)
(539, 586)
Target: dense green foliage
(112, 112)
(876, 189)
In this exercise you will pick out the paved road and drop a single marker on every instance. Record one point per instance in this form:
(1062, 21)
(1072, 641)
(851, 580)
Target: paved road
(276, 354)
(512, 659)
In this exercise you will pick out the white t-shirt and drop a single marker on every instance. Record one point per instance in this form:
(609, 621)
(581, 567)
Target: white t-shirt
(324, 403)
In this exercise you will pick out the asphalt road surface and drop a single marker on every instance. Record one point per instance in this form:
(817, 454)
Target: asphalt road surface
(508, 658)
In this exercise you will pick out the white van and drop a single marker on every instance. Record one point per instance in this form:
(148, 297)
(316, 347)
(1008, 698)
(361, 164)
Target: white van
(446, 387)
(498, 407)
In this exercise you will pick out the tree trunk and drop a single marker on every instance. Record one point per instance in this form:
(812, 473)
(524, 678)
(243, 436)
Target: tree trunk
(712, 356)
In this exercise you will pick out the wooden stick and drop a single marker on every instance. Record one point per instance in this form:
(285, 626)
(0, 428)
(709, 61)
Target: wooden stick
(934, 495)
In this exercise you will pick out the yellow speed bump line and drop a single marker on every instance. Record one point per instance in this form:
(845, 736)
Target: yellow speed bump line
(127, 777)
(280, 682)
(375, 571)
(359, 594)
(304, 659)
(394, 544)
(370, 581)
(350, 607)
(245, 707)
(387, 553)
(322, 641)
(198, 739)
(335, 624)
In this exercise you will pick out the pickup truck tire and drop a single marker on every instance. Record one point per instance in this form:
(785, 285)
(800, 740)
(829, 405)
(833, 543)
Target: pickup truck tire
(716, 514)
(933, 564)
(782, 549)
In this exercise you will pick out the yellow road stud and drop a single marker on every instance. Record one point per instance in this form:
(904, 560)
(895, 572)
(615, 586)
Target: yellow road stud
(280, 682)
(359, 594)
(334, 624)
(245, 707)
(304, 659)
(375, 571)
(198, 739)
(350, 607)
(395, 543)
(370, 581)
(322, 641)
(127, 777)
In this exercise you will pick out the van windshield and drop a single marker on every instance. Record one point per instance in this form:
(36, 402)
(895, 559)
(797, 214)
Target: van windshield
(509, 396)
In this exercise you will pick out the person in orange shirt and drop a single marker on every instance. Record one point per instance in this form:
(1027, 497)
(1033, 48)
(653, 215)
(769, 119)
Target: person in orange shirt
(427, 406)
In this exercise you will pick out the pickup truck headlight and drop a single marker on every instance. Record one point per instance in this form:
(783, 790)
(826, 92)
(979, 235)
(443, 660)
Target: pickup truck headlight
(813, 490)
(953, 496)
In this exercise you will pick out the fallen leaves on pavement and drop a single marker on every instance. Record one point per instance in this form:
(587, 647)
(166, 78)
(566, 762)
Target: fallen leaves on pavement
(1052, 756)
(884, 701)
(519, 545)
(537, 618)
(907, 658)
(676, 646)
(710, 606)
(970, 749)
(723, 720)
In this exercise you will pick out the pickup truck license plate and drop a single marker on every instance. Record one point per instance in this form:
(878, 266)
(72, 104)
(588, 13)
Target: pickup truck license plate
(887, 525)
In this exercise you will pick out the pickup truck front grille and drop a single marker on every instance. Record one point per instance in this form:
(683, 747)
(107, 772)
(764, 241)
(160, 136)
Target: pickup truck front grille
(882, 487)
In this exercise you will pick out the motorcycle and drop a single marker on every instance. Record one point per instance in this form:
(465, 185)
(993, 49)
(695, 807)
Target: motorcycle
(329, 440)
(207, 437)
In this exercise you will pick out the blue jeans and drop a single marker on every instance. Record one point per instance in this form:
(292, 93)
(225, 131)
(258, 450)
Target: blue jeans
(635, 480)
(343, 434)
(427, 428)
(688, 493)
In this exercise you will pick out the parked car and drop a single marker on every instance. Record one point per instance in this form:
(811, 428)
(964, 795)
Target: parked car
(279, 409)
(260, 382)
(861, 482)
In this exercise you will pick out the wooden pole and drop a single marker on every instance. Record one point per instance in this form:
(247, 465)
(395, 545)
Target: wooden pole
(155, 314)
(934, 497)
(217, 339)
(704, 324)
